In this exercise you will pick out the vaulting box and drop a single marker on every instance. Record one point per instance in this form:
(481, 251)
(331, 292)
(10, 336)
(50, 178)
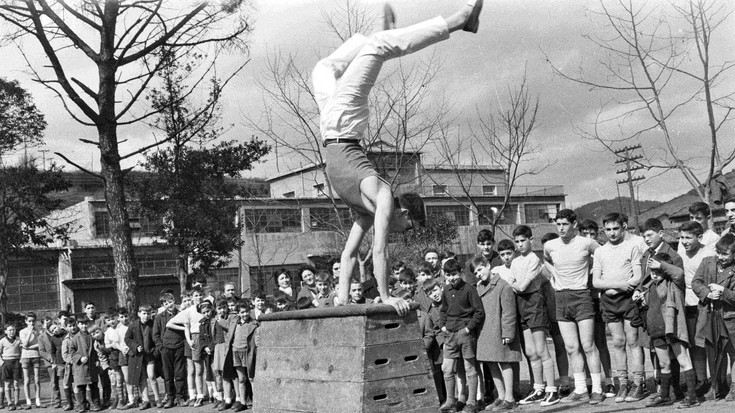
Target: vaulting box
(359, 358)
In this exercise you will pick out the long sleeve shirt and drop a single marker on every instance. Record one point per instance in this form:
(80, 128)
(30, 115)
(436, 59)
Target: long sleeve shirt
(461, 307)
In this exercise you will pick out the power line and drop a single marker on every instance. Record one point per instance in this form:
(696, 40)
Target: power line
(628, 157)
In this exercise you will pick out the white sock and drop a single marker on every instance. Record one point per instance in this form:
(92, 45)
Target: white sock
(192, 393)
(551, 389)
(580, 383)
(228, 400)
(596, 382)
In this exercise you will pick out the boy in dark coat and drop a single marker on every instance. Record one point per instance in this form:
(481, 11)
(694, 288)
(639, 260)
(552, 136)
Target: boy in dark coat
(141, 362)
(84, 366)
(241, 342)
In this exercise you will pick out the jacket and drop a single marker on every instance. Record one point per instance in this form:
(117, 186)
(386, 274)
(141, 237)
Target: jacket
(461, 308)
(137, 360)
(500, 322)
(251, 326)
(166, 337)
(88, 371)
(707, 274)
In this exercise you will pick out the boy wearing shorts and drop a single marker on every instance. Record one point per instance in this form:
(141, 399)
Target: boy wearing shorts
(342, 83)
(10, 366)
(30, 359)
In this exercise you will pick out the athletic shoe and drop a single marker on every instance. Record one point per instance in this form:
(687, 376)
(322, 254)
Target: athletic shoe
(533, 397)
(622, 393)
(449, 405)
(731, 395)
(596, 398)
(609, 391)
(636, 393)
(551, 399)
(575, 397)
(504, 406)
(703, 387)
(659, 401)
(564, 391)
(688, 403)
(469, 408)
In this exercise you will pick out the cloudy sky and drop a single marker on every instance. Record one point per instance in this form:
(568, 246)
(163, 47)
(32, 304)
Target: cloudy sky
(475, 73)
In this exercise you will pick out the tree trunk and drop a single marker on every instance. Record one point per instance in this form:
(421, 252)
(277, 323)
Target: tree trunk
(4, 272)
(182, 271)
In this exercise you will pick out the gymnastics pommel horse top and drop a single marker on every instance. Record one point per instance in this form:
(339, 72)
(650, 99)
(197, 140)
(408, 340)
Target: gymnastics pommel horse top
(357, 358)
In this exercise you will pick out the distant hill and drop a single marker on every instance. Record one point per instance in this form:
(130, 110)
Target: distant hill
(596, 210)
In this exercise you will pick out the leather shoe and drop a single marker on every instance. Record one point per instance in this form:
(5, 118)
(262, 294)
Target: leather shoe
(473, 22)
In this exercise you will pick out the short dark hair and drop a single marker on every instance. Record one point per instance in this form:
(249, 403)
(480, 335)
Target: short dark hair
(111, 312)
(122, 311)
(428, 250)
(652, 224)
(567, 214)
(63, 313)
(523, 230)
(90, 303)
(412, 202)
(726, 243)
(303, 303)
(548, 237)
(32, 315)
(430, 284)
(729, 199)
(478, 262)
(167, 297)
(306, 268)
(589, 225)
(700, 207)
(407, 276)
(206, 304)
(663, 257)
(197, 289)
(145, 307)
(692, 226)
(221, 303)
(323, 277)
(398, 265)
(244, 303)
(260, 296)
(452, 265)
(614, 217)
(485, 235)
(426, 267)
(506, 245)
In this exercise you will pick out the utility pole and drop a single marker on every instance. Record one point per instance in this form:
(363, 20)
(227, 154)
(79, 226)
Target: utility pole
(626, 156)
(43, 154)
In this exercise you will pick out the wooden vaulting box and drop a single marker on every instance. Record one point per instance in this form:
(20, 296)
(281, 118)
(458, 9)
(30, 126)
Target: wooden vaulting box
(360, 358)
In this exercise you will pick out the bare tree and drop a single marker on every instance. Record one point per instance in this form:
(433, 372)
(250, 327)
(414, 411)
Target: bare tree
(118, 40)
(655, 72)
(503, 138)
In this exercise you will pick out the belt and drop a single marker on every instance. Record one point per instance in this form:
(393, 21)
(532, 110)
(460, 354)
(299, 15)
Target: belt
(339, 140)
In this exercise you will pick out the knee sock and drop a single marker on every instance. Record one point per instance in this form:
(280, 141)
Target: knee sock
(538, 373)
(675, 376)
(700, 364)
(68, 397)
(472, 388)
(665, 384)
(691, 379)
(548, 366)
(580, 383)
(596, 382)
(451, 386)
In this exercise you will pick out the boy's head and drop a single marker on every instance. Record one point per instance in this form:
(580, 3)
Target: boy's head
(144, 313)
(433, 289)
(30, 319)
(167, 301)
(111, 319)
(303, 303)
(72, 326)
(229, 290)
(548, 237)
(653, 232)
(307, 275)
(323, 282)
(62, 317)
(95, 332)
(725, 249)
(196, 295)
(615, 226)
(355, 290)
(243, 310)
(259, 302)
(566, 224)
(588, 228)
(432, 257)
(481, 268)
(485, 242)
(699, 212)
(10, 330)
(90, 310)
(46, 322)
(281, 303)
(425, 273)
(523, 238)
(335, 265)
(690, 236)
(407, 279)
(396, 268)
(506, 249)
(123, 316)
(232, 305)
(221, 307)
(83, 324)
(730, 210)
(452, 270)
(408, 213)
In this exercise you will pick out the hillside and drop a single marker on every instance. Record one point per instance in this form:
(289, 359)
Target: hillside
(596, 210)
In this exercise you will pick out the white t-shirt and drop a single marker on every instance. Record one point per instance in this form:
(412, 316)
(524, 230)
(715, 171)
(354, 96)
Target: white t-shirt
(571, 262)
(526, 269)
(691, 264)
(504, 273)
(189, 315)
(617, 263)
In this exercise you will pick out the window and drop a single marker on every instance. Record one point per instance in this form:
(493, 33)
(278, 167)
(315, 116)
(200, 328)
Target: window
(541, 213)
(319, 190)
(151, 265)
(326, 219)
(439, 189)
(291, 194)
(457, 213)
(273, 220)
(32, 286)
(141, 226)
(485, 214)
(489, 190)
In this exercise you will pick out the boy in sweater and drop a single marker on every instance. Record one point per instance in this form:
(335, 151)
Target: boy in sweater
(461, 315)
(10, 366)
(30, 359)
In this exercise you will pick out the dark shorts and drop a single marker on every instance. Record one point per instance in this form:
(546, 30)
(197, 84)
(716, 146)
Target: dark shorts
(347, 166)
(187, 349)
(195, 352)
(617, 308)
(574, 305)
(460, 345)
(666, 340)
(239, 358)
(122, 360)
(11, 370)
(28, 363)
(532, 311)
(114, 359)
